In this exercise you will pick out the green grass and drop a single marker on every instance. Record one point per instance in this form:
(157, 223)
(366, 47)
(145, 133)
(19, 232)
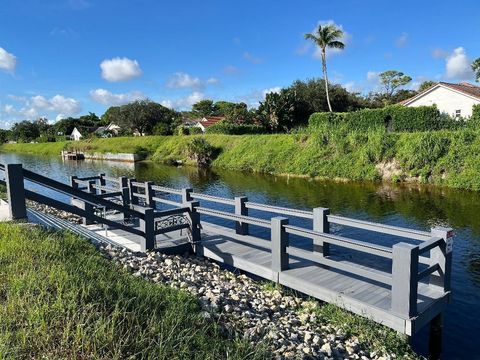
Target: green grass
(59, 299)
(447, 158)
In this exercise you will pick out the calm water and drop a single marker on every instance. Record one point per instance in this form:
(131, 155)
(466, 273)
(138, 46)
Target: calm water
(415, 207)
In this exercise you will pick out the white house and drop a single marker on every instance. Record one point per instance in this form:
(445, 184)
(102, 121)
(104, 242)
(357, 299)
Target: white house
(108, 131)
(206, 122)
(75, 135)
(455, 100)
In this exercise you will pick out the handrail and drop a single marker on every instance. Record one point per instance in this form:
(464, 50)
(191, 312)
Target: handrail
(111, 179)
(341, 241)
(230, 216)
(88, 178)
(428, 271)
(104, 188)
(165, 201)
(379, 276)
(68, 190)
(212, 198)
(166, 189)
(158, 214)
(429, 244)
(280, 210)
(138, 184)
(386, 229)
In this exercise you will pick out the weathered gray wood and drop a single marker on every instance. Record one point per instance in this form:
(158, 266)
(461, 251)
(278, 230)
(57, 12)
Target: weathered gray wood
(240, 209)
(194, 219)
(279, 243)
(211, 198)
(321, 224)
(149, 194)
(280, 210)
(15, 191)
(442, 255)
(187, 195)
(229, 216)
(147, 226)
(133, 189)
(404, 279)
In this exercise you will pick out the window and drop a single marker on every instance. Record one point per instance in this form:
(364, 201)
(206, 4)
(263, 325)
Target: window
(458, 113)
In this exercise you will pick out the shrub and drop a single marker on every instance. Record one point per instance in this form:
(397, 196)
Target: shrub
(195, 130)
(474, 121)
(396, 118)
(235, 129)
(181, 130)
(142, 152)
(200, 151)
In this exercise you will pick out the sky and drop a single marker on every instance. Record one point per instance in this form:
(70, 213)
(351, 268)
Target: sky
(61, 58)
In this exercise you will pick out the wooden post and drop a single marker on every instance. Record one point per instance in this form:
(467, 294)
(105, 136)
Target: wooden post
(15, 191)
(186, 195)
(279, 243)
(435, 338)
(321, 224)
(102, 182)
(404, 279)
(194, 219)
(147, 225)
(241, 228)
(73, 183)
(442, 255)
(133, 190)
(149, 193)
(87, 206)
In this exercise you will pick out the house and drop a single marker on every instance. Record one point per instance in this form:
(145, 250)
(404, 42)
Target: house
(208, 121)
(108, 131)
(75, 135)
(456, 100)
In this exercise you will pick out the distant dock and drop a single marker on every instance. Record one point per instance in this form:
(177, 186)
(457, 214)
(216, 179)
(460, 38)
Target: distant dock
(72, 155)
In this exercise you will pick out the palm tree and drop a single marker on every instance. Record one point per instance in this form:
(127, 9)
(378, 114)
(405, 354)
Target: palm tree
(326, 36)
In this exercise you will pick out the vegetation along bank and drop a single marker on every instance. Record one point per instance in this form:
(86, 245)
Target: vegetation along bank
(445, 157)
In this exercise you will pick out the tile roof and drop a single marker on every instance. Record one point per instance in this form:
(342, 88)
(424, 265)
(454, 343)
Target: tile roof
(211, 120)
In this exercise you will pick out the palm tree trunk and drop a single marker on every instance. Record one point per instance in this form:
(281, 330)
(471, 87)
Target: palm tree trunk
(324, 68)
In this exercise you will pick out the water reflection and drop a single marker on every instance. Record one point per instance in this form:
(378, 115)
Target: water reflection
(418, 207)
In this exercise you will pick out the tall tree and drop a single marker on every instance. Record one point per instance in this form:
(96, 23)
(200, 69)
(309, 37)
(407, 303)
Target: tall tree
(476, 69)
(426, 84)
(326, 36)
(204, 108)
(277, 111)
(392, 80)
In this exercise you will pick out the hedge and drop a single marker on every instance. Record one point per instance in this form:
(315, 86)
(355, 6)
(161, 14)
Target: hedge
(235, 129)
(474, 121)
(393, 118)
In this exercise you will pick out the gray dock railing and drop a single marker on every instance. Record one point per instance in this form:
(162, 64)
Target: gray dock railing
(427, 261)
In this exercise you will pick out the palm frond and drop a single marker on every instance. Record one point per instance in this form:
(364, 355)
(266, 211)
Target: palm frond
(336, 44)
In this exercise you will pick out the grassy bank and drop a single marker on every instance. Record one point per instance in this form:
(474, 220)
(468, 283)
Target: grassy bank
(59, 299)
(449, 158)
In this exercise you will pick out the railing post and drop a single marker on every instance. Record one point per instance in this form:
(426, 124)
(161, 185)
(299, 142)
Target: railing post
(133, 190)
(102, 182)
(186, 195)
(15, 191)
(279, 243)
(194, 219)
(321, 224)
(404, 279)
(241, 209)
(149, 194)
(73, 183)
(442, 255)
(87, 206)
(147, 226)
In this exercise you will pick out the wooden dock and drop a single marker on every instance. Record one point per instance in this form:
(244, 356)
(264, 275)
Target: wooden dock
(408, 288)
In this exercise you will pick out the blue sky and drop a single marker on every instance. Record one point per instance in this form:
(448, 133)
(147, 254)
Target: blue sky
(67, 57)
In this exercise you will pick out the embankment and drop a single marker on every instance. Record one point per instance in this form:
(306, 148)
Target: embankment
(447, 158)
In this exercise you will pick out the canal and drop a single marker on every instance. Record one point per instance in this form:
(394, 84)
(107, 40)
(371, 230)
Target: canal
(420, 207)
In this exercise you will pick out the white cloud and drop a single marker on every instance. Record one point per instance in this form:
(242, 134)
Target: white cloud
(275, 89)
(212, 81)
(252, 58)
(108, 98)
(346, 39)
(120, 69)
(185, 102)
(373, 76)
(38, 105)
(458, 65)
(8, 61)
(402, 40)
(352, 86)
(182, 80)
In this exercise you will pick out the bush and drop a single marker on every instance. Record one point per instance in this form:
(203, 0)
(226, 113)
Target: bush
(200, 151)
(474, 121)
(235, 129)
(195, 130)
(182, 130)
(392, 118)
